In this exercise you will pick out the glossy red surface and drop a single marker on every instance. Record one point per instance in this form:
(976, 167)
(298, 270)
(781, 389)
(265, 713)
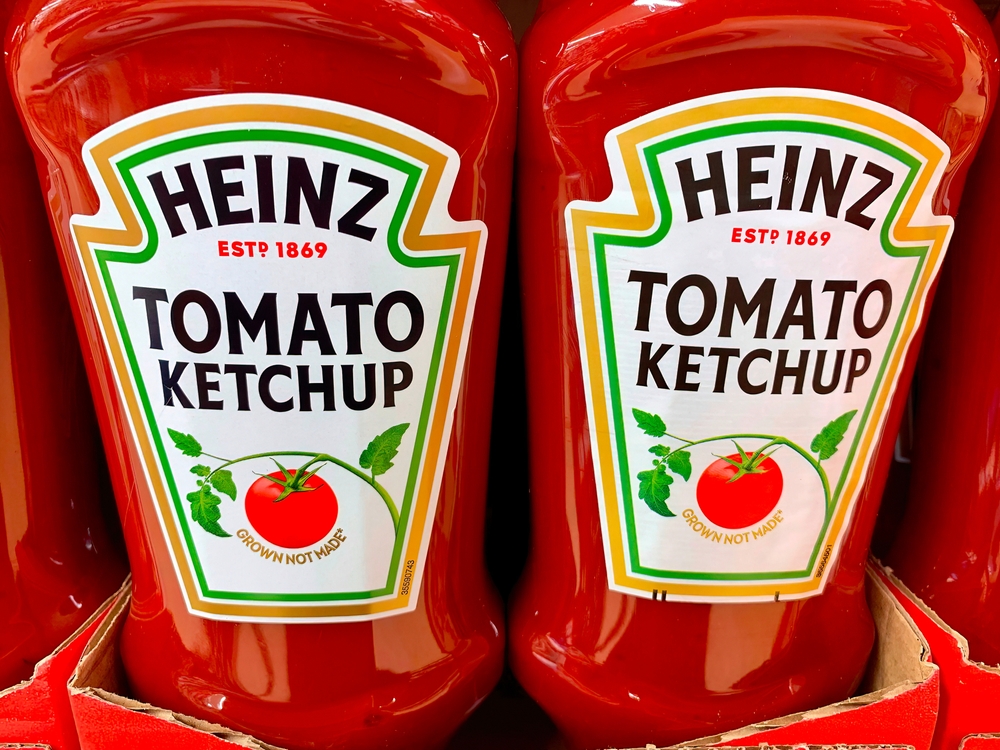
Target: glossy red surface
(614, 670)
(948, 548)
(58, 564)
(79, 66)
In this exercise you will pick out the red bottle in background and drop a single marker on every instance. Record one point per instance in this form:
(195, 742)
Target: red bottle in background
(284, 223)
(731, 219)
(59, 563)
(948, 545)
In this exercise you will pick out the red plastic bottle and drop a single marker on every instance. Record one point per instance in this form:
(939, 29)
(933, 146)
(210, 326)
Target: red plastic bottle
(284, 223)
(59, 563)
(721, 329)
(948, 546)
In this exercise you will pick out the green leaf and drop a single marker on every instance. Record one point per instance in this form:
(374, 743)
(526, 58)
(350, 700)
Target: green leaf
(201, 470)
(660, 450)
(649, 423)
(654, 490)
(186, 444)
(679, 462)
(205, 511)
(380, 451)
(826, 442)
(223, 482)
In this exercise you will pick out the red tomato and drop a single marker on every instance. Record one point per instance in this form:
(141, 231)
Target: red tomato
(299, 520)
(741, 503)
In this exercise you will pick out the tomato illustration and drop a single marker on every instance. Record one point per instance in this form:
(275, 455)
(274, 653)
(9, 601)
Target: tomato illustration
(301, 518)
(735, 502)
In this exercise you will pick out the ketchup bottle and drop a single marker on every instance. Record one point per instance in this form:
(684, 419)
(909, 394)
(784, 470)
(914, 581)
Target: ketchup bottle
(732, 215)
(948, 546)
(59, 563)
(284, 223)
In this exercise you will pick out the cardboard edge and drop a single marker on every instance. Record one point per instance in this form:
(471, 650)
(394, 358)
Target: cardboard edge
(765, 746)
(927, 671)
(876, 573)
(102, 644)
(100, 636)
(975, 740)
(925, 609)
(42, 664)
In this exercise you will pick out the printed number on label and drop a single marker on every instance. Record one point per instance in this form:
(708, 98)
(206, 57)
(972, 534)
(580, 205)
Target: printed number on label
(260, 249)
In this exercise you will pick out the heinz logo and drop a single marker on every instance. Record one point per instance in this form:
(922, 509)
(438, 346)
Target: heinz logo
(288, 191)
(825, 184)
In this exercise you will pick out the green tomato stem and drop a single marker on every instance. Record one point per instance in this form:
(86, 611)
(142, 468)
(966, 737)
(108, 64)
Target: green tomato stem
(677, 437)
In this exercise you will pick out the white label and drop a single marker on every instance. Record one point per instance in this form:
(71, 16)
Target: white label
(745, 300)
(287, 305)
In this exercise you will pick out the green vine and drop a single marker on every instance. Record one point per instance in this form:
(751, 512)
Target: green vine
(205, 503)
(654, 484)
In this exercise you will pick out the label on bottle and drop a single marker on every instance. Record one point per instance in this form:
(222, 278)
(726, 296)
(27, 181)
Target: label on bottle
(745, 300)
(286, 304)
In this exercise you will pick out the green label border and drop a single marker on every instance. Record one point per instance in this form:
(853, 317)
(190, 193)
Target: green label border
(601, 241)
(413, 174)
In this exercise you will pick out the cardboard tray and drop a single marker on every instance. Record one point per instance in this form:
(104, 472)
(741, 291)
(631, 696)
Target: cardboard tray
(970, 691)
(899, 700)
(898, 709)
(37, 711)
